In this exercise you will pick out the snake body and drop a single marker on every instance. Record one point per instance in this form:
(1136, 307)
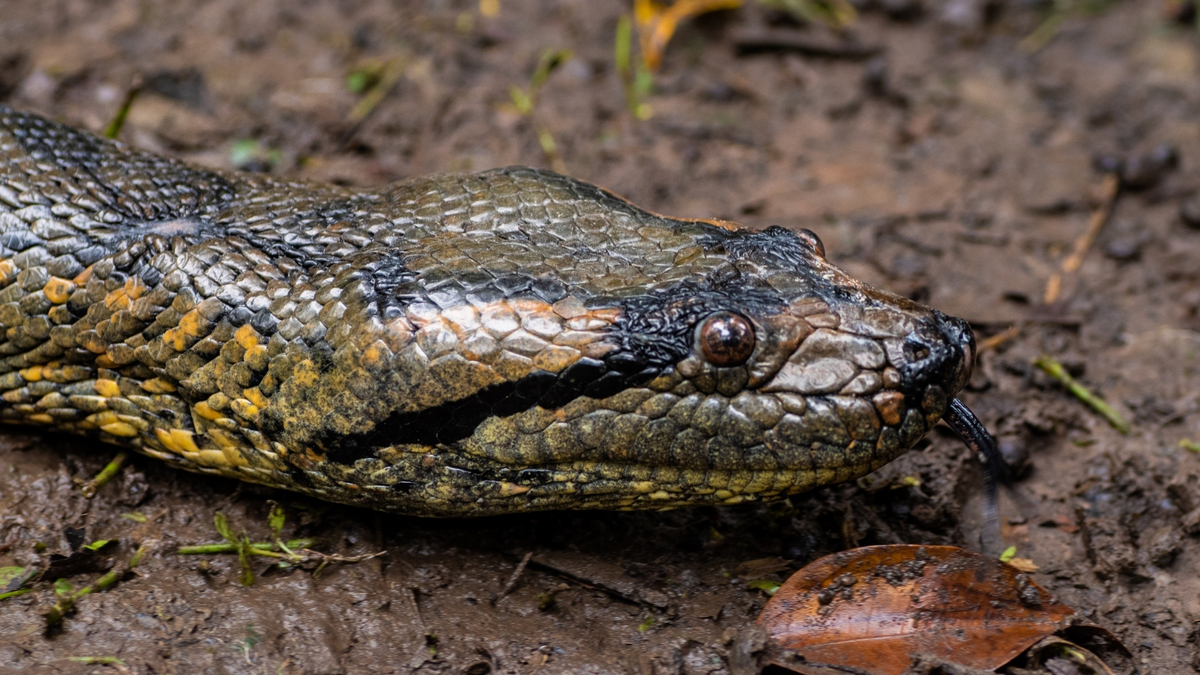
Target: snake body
(473, 344)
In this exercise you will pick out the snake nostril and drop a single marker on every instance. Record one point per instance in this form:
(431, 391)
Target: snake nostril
(916, 349)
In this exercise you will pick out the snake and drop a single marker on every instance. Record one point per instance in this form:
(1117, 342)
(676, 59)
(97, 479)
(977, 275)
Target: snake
(456, 345)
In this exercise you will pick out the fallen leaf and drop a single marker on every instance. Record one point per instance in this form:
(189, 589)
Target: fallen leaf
(877, 608)
(656, 23)
(1024, 564)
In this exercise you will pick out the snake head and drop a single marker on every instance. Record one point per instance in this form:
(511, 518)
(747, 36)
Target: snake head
(789, 367)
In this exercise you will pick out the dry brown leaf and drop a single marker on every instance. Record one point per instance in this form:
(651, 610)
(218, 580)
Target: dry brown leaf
(1024, 564)
(876, 608)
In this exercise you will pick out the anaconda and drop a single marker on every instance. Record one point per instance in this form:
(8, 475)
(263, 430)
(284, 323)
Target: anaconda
(477, 344)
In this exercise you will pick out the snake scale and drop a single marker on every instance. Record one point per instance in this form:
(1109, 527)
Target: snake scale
(477, 344)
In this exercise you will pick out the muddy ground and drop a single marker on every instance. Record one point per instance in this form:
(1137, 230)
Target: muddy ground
(957, 167)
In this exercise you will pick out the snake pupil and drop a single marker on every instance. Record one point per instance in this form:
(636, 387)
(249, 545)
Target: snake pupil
(727, 339)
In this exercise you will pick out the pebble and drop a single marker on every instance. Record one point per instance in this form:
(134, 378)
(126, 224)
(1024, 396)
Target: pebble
(1015, 453)
(1123, 249)
(1143, 172)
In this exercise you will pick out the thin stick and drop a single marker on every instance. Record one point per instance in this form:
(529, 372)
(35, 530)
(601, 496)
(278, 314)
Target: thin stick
(118, 121)
(256, 547)
(1108, 196)
(1053, 288)
(393, 70)
(106, 474)
(1109, 190)
(54, 614)
(1054, 369)
(998, 339)
(512, 580)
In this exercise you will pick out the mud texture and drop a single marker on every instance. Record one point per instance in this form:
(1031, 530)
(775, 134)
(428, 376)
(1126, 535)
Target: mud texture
(952, 166)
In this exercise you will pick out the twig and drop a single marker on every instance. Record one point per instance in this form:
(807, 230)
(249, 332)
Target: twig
(97, 660)
(585, 576)
(988, 344)
(106, 474)
(112, 661)
(331, 557)
(68, 597)
(256, 548)
(512, 579)
(1109, 190)
(636, 78)
(526, 102)
(1054, 369)
(391, 74)
(287, 554)
(1108, 195)
(118, 121)
(327, 558)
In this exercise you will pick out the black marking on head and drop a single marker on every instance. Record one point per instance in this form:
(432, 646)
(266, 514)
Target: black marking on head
(457, 420)
(658, 329)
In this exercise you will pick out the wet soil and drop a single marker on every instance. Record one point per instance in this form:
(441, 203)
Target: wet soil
(955, 168)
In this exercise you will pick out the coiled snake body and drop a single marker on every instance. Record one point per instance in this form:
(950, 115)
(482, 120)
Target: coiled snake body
(457, 345)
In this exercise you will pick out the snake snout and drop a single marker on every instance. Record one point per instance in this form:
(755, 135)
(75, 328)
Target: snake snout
(941, 352)
(960, 332)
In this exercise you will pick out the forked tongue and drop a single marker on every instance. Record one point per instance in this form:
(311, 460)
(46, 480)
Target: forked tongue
(995, 471)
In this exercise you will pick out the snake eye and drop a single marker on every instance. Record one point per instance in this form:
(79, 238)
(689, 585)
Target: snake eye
(726, 339)
(812, 240)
